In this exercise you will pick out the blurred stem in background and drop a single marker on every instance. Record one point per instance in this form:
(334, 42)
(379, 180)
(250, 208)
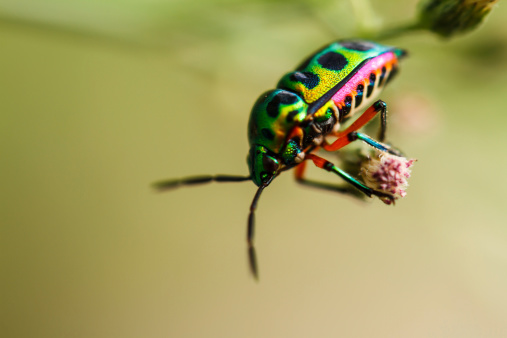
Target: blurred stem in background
(157, 24)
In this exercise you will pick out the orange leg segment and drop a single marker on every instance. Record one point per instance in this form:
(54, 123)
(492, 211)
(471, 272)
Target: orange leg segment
(328, 166)
(297, 132)
(343, 136)
(318, 161)
(300, 171)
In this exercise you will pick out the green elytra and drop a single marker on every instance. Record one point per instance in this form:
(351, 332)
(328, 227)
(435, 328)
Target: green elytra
(289, 123)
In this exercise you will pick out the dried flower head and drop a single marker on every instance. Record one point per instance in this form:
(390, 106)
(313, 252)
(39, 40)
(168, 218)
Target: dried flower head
(449, 17)
(387, 173)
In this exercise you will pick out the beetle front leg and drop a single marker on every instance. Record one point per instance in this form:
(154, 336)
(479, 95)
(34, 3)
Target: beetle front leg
(328, 166)
(343, 189)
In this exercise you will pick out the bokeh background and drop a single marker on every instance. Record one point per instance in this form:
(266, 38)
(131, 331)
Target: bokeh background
(100, 98)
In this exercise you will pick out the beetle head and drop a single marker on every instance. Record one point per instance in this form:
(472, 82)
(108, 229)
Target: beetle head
(263, 164)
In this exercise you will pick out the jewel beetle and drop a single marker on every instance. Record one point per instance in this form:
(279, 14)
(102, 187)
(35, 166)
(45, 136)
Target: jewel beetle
(290, 123)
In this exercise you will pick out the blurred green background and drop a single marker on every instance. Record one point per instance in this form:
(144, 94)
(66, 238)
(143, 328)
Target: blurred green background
(100, 98)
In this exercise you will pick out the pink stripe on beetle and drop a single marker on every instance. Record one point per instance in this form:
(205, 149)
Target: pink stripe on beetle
(364, 73)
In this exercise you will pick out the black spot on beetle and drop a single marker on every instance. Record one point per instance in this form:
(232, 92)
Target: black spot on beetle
(291, 115)
(308, 79)
(382, 76)
(371, 85)
(287, 97)
(347, 106)
(268, 134)
(284, 97)
(359, 95)
(333, 61)
(341, 114)
(358, 45)
(272, 108)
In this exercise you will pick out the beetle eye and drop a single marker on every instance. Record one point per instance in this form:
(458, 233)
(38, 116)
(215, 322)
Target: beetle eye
(269, 164)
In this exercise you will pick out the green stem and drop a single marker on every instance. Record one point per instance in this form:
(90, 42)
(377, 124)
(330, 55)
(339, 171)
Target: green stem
(396, 31)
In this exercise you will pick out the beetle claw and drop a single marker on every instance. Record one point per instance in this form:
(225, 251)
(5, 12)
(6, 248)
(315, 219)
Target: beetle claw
(386, 198)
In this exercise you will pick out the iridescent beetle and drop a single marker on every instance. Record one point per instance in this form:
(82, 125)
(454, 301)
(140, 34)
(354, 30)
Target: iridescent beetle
(288, 124)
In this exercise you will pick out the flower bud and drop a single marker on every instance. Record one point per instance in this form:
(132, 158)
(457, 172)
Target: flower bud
(449, 17)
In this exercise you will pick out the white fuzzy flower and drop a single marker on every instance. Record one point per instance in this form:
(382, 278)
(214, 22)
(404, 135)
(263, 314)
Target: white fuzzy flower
(387, 173)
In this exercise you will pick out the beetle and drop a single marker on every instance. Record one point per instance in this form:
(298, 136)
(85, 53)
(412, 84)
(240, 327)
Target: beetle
(290, 123)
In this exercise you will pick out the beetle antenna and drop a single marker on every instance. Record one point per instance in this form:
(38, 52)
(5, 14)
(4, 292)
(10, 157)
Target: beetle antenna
(250, 230)
(171, 184)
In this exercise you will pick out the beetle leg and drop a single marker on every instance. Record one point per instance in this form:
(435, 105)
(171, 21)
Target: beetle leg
(367, 116)
(299, 172)
(297, 134)
(375, 144)
(378, 107)
(383, 123)
(344, 189)
(351, 134)
(328, 166)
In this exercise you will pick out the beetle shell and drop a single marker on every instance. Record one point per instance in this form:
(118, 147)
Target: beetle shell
(329, 86)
